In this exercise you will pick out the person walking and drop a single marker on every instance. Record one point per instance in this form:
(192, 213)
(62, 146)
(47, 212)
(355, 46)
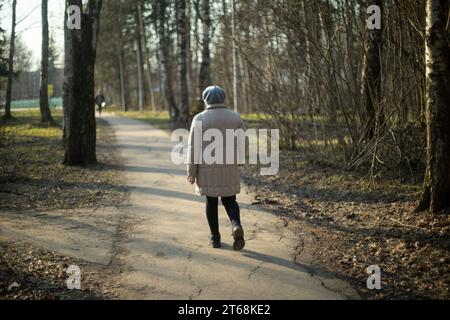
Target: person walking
(216, 180)
(100, 102)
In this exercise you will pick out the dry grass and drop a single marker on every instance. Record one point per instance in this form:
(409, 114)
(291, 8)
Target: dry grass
(32, 176)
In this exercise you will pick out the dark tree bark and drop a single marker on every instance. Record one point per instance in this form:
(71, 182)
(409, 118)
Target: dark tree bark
(204, 74)
(46, 115)
(190, 70)
(139, 70)
(436, 193)
(123, 100)
(372, 76)
(81, 131)
(166, 78)
(140, 61)
(182, 62)
(12, 45)
(146, 55)
(67, 73)
(236, 91)
(122, 65)
(3, 61)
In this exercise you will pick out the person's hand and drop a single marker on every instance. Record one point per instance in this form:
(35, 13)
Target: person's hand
(191, 180)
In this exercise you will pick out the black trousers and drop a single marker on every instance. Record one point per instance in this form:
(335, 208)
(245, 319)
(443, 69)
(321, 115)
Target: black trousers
(212, 211)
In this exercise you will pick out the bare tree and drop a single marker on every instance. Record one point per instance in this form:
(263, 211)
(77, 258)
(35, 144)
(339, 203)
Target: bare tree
(204, 78)
(143, 32)
(7, 114)
(81, 131)
(123, 101)
(372, 75)
(67, 73)
(46, 115)
(235, 60)
(182, 62)
(436, 193)
(140, 59)
(3, 60)
(165, 65)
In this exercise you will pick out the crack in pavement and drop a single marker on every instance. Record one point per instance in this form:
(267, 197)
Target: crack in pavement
(198, 290)
(254, 270)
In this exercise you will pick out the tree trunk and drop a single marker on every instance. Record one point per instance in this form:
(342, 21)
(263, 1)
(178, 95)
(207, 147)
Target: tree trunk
(436, 193)
(11, 63)
(122, 66)
(189, 54)
(81, 133)
(142, 98)
(122, 81)
(236, 93)
(372, 76)
(195, 49)
(228, 79)
(204, 75)
(140, 87)
(46, 115)
(146, 57)
(166, 78)
(67, 73)
(182, 62)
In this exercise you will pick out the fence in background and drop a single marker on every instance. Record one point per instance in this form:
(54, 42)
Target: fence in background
(34, 103)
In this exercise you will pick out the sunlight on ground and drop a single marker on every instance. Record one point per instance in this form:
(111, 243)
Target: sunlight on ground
(159, 119)
(26, 125)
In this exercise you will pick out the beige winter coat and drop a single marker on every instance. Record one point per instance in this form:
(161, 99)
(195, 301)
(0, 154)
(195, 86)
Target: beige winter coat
(215, 180)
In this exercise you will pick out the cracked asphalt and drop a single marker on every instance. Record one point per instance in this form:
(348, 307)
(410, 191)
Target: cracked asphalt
(161, 250)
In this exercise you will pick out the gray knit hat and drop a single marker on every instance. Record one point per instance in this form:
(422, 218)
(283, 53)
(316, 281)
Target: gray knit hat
(213, 95)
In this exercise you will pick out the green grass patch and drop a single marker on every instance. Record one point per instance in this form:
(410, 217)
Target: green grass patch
(26, 126)
(256, 116)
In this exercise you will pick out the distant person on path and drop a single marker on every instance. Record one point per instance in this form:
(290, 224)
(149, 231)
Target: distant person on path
(100, 102)
(217, 180)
